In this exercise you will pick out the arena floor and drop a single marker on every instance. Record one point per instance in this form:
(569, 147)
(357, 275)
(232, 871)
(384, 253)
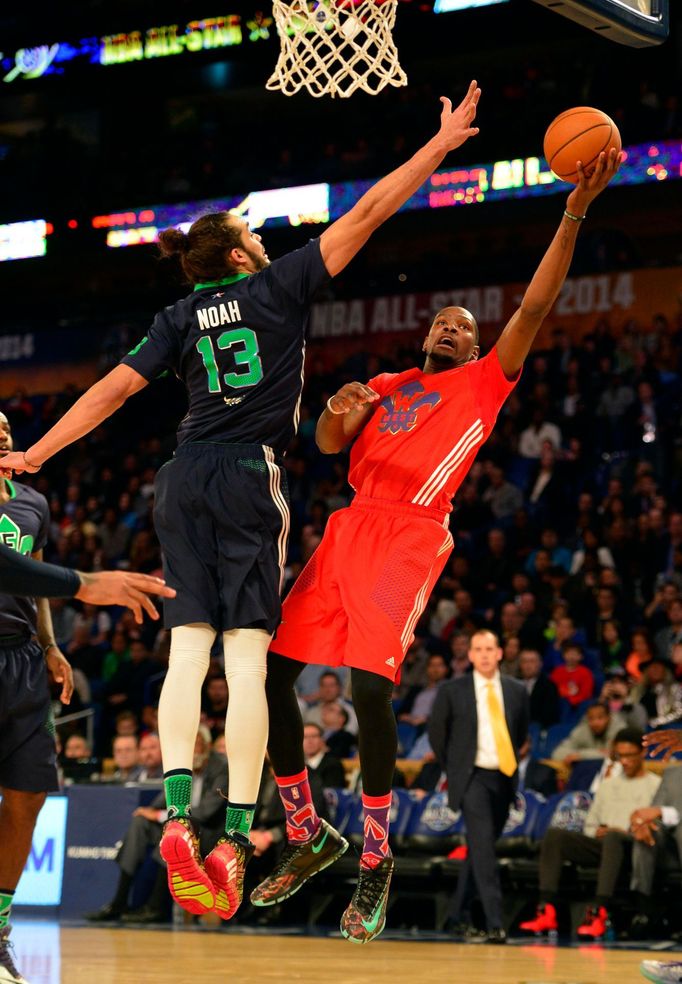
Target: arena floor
(49, 954)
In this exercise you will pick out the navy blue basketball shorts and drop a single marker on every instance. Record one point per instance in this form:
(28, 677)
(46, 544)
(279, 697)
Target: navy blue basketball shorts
(221, 513)
(28, 755)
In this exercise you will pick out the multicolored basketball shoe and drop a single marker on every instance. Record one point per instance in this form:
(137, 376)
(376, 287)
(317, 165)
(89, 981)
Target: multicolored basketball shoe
(298, 863)
(8, 969)
(365, 917)
(225, 866)
(188, 883)
(662, 973)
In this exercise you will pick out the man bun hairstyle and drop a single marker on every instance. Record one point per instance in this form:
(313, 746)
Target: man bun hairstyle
(204, 249)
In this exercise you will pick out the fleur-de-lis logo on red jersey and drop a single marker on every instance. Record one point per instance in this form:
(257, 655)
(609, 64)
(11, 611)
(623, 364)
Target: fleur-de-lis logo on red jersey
(402, 407)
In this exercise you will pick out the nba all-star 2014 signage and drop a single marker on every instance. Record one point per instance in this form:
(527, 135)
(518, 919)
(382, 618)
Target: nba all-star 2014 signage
(634, 296)
(135, 45)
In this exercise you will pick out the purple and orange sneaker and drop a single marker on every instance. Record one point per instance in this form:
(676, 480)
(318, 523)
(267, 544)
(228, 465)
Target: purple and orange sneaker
(188, 883)
(225, 866)
(298, 863)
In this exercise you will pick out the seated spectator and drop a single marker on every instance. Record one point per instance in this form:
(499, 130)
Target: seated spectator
(416, 708)
(125, 752)
(591, 548)
(126, 689)
(126, 723)
(659, 693)
(592, 736)
(617, 692)
(534, 775)
(119, 653)
(657, 830)
(667, 637)
(532, 631)
(503, 498)
(574, 681)
(612, 646)
(413, 669)
(76, 747)
(542, 692)
(459, 661)
(330, 693)
(564, 632)
(509, 664)
(559, 555)
(431, 778)
(538, 433)
(214, 704)
(319, 760)
(642, 650)
(494, 568)
(149, 757)
(465, 620)
(208, 809)
(341, 743)
(82, 655)
(309, 680)
(605, 840)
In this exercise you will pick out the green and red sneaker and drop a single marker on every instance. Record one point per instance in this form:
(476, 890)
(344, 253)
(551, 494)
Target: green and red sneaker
(188, 883)
(365, 917)
(298, 863)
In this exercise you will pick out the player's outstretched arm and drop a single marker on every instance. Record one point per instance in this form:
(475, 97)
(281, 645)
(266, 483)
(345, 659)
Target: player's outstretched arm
(123, 588)
(342, 240)
(517, 338)
(94, 406)
(345, 415)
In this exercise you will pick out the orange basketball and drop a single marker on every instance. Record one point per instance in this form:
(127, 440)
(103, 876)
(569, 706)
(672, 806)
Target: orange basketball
(579, 134)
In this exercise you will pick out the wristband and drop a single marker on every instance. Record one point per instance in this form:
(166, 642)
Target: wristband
(574, 218)
(336, 413)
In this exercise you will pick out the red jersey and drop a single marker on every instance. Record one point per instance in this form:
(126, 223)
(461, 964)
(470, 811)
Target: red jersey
(426, 430)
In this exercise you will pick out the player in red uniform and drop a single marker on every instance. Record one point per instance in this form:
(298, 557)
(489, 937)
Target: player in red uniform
(358, 599)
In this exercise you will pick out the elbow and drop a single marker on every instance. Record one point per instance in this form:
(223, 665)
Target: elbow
(534, 311)
(326, 448)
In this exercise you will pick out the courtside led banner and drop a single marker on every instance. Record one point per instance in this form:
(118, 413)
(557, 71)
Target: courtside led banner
(473, 184)
(41, 880)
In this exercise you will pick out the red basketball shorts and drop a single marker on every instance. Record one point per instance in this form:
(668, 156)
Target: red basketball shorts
(358, 599)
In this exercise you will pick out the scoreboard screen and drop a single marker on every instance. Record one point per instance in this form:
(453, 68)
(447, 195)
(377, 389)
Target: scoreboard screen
(638, 23)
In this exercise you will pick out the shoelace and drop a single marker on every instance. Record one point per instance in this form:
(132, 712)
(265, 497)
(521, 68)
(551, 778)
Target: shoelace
(371, 884)
(7, 946)
(289, 852)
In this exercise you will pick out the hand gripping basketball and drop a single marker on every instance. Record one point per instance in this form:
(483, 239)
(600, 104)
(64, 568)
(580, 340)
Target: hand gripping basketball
(588, 188)
(455, 125)
(351, 396)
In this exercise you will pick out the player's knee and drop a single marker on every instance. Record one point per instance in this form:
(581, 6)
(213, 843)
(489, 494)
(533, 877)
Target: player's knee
(23, 807)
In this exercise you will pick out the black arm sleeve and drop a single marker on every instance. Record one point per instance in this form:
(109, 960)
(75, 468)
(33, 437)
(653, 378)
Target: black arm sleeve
(29, 578)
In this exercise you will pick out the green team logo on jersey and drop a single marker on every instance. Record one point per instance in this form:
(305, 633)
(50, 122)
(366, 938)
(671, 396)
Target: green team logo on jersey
(139, 345)
(10, 535)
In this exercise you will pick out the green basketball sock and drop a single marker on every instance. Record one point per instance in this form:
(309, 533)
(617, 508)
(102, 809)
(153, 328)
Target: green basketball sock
(239, 818)
(178, 786)
(6, 897)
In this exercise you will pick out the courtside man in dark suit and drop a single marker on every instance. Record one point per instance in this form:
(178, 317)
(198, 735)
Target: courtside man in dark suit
(477, 726)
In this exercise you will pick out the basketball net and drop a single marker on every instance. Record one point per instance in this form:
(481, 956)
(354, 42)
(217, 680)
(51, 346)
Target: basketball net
(336, 47)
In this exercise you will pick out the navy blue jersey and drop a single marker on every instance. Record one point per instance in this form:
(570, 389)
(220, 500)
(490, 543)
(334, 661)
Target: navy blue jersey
(24, 521)
(238, 346)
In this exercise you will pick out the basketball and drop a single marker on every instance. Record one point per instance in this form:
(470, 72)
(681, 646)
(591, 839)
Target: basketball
(579, 134)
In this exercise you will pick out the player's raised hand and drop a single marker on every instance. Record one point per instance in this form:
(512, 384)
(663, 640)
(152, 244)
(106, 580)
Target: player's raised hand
(456, 124)
(15, 462)
(351, 396)
(589, 186)
(668, 741)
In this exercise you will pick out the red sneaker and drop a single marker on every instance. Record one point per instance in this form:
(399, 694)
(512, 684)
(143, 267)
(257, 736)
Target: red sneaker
(545, 921)
(596, 923)
(225, 866)
(188, 883)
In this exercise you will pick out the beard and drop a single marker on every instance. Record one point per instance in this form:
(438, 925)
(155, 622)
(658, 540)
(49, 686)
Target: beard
(442, 359)
(259, 261)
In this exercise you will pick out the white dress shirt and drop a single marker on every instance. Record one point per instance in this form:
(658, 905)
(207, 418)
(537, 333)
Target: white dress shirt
(486, 749)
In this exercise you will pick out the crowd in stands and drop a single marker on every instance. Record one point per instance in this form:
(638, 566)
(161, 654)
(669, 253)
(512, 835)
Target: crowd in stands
(568, 544)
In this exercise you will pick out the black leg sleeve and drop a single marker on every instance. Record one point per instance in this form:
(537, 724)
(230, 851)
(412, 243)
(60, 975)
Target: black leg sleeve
(377, 730)
(285, 740)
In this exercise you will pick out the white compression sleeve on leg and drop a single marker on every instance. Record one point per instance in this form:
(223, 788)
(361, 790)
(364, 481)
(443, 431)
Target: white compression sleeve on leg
(246, 725)
(180, 703)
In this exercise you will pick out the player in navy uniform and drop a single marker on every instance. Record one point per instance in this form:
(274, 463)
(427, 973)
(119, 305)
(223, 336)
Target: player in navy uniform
(28, 755)
(221, 512)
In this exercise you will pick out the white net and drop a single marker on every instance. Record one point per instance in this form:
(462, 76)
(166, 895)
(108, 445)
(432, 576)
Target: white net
(336, 47)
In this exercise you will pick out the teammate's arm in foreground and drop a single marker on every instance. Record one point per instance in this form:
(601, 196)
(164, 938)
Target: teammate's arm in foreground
(518, 336)
(25, 577)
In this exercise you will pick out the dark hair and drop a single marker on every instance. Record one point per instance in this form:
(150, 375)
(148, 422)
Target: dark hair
(203, 250)
(599, 703)
(312, 724)
(569, 644)
(633, 736)
(330, 673)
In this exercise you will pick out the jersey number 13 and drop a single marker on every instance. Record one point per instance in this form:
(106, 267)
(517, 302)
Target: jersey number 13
(246, 359)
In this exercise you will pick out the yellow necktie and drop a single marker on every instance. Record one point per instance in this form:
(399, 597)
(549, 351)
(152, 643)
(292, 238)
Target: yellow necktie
(505, 749)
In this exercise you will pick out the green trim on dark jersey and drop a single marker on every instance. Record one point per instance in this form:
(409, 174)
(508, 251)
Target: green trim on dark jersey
(222, 283)
(10, 488)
